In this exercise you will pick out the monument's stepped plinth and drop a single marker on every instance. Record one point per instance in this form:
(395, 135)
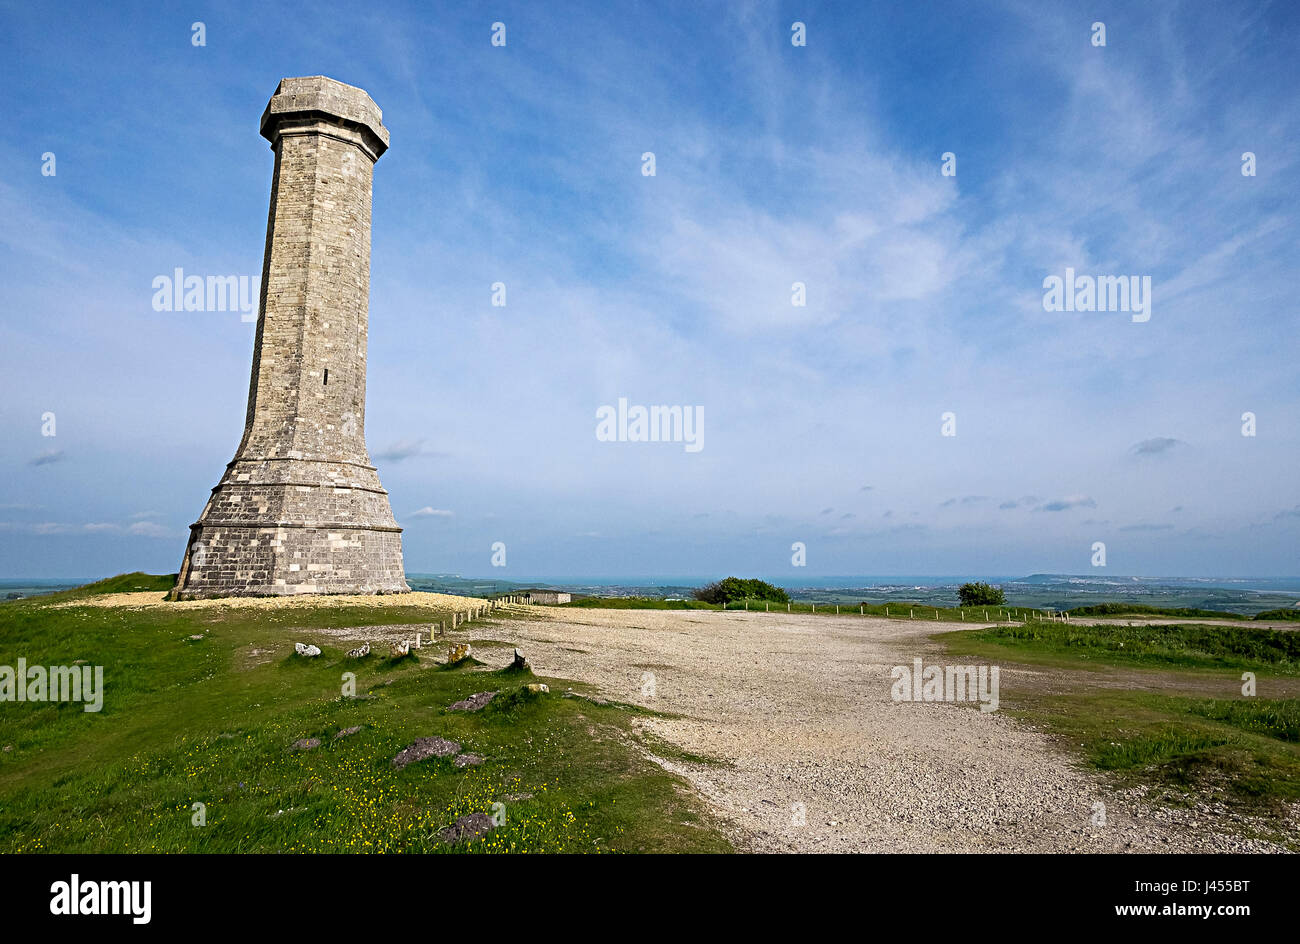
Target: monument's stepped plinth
(300, 508)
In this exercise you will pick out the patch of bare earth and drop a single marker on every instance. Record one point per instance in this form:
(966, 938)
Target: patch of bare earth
(151, 600)
(814, 756)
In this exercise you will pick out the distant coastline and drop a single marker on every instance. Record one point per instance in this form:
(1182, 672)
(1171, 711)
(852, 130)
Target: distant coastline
(1244, 595)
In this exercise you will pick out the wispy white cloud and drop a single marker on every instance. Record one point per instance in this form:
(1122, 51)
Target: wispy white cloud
(1068, 503)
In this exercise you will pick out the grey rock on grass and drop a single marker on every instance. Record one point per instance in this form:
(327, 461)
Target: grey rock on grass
(470, 826)
(424, 748)
(474, 702)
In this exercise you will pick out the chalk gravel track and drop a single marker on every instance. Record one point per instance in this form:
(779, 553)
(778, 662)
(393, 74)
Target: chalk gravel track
(798, 709)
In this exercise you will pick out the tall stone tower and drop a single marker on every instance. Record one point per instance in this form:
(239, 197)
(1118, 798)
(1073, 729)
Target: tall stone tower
(300, 508)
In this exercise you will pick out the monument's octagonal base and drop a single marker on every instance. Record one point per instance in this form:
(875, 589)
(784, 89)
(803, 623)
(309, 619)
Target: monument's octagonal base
(233, 560)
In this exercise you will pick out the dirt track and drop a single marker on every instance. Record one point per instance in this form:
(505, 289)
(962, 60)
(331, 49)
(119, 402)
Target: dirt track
(808, 751)
(798, 710)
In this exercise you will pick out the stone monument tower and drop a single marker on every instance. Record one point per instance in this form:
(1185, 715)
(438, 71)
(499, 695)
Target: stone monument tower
(300, 508)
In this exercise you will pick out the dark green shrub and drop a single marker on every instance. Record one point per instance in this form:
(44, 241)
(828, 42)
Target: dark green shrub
(981, 594)
(734, 589)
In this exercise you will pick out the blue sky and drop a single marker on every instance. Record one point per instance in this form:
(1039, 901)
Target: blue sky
(774, 164)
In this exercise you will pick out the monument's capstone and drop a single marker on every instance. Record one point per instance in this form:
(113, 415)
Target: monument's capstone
(300, 508)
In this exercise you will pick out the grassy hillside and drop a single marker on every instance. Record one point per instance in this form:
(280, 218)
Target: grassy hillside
(213, 720)
(1182, 646)
(130, 583)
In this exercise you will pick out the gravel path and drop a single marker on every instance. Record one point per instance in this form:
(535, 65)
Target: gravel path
(809, 753)
(818, 758)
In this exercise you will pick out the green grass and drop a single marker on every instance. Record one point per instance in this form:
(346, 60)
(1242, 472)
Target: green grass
(210, 721)
(127, 583)
(638, 603)
(900, 610)
(907, 609)
(1278, 719)
(1189, 646)
(1288, 614)
(1140, 609)
(1241, 751)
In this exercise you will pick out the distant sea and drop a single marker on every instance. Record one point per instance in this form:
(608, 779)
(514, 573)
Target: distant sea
(1247, 595)
(35, 586)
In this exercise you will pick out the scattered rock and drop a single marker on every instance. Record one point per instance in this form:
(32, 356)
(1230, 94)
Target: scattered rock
(467, 760)
(197, 636)
(474, 702)
(458, 653)
(520, 664)
(424, 748)
(305, 744)
(399, 649)
(8, 748)
(308, 651)
(347, 731)
(518, 797)
(360, 652)
(78, 661)
(537, 687)
(467, 827)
